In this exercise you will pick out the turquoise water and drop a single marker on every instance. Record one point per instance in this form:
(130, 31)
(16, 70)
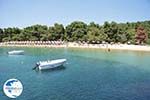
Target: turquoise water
(89, 74)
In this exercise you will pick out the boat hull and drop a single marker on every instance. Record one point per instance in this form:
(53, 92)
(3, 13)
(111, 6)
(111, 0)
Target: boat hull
(54, 64)
(21, 52)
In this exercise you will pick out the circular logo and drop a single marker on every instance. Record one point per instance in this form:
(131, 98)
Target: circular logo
(13, 88)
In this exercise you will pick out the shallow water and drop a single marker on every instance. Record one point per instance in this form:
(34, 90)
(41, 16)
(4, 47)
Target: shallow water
(89, 74)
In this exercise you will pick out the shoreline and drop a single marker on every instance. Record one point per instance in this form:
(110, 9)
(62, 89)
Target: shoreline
(107, 47)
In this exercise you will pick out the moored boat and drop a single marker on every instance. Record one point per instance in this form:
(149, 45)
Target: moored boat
(16, 52)
(50, 64)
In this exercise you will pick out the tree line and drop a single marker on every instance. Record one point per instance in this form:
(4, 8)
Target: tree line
(111, 32)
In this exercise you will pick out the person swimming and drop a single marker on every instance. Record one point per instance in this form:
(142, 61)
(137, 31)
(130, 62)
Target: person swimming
(108, 49)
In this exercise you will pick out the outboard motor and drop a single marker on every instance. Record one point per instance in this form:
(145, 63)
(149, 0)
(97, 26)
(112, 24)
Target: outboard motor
(36, 66)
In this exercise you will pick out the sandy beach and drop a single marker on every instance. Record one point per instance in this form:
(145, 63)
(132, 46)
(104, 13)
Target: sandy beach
(111, 46)
(57, 44)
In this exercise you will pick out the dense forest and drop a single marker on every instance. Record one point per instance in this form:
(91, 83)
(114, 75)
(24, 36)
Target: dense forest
(111, 32)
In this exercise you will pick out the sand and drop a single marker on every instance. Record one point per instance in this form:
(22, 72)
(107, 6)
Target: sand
(108, 47)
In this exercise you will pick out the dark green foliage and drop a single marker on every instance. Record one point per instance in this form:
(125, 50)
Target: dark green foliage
(1, 34)
(95, 34)
(59, 31)
(76, 31)
(79, 31)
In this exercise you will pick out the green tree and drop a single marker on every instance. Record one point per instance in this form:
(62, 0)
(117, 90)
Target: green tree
(7, 34)
(76, 31)
(121, 36)
(80, 31)
(59, 31)
(35, 32)
(95, 34)
(1, 34)
(110, 30)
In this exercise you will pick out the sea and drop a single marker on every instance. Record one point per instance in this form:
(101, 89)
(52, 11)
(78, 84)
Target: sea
(88, 74)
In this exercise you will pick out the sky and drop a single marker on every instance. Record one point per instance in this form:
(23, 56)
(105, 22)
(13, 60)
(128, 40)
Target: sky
(23, 13)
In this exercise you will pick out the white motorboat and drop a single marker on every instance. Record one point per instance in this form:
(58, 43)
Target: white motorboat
(50, 64)
(16, 52)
